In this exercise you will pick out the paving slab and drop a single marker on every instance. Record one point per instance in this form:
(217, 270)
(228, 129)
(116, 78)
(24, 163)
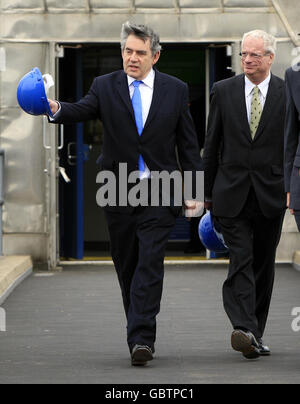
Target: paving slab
(68, 327)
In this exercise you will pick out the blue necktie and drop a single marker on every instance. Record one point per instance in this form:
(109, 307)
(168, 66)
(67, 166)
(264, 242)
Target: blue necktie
(137, 108)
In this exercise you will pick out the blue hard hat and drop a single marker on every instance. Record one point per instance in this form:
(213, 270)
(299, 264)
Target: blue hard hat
(210, 236)
(31, 94)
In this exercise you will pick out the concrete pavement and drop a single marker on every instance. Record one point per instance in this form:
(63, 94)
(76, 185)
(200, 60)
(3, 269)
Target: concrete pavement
(69, 327)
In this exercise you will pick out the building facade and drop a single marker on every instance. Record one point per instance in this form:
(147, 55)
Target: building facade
(56, 36)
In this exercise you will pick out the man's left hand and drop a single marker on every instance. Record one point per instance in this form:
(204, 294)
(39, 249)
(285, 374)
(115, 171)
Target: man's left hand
(193, 208)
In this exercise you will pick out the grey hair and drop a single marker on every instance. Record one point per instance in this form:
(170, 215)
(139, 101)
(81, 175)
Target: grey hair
(269, 40)
(143, 32)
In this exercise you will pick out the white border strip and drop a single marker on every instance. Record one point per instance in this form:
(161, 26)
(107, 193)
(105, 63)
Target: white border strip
(167, 262)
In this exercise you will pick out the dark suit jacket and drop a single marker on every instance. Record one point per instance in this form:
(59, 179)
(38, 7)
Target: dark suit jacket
(169, 124)
(233, 162)
(291, 141)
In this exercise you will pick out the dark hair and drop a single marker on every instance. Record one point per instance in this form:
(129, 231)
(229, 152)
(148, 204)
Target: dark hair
(141, 31)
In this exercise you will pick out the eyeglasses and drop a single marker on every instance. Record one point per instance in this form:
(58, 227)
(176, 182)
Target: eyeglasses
(256, 56)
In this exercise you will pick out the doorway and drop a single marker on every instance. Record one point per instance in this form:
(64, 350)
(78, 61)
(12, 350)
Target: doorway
(83, 231)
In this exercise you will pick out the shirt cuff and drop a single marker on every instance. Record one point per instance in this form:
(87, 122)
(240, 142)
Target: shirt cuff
(51, 119)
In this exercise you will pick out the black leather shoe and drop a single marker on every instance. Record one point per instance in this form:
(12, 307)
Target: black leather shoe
(245, 342)
(264, 350)
(140, 355)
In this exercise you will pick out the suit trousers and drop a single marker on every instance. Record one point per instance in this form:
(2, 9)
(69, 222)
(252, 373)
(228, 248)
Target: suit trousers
(138, 242)
(252, 240)
(297, 218)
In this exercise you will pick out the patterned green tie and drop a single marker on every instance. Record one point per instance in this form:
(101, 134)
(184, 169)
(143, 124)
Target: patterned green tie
(256, 111)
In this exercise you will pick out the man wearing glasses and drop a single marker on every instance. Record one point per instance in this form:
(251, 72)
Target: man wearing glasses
(292, 144)
(244, 186)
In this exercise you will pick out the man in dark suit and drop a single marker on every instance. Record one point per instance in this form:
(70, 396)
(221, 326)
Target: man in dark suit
(146, 118)
(244, 186)
(291, 143)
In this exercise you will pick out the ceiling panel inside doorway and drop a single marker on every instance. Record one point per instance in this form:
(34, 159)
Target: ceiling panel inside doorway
(155, 3)
(8, 5)
(247, 3)
(200, 3)
(111, 4)
(67, 4)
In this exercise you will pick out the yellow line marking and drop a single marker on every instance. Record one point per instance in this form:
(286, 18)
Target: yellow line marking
(176, 258)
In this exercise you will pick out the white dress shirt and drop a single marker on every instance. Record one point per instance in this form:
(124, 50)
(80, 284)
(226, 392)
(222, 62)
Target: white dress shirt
(263, 92)
(146, 91)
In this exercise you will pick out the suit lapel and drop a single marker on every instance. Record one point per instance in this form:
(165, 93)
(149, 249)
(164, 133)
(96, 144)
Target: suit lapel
(159, 91)
(272, 96)
(239, 101)
(123, 90)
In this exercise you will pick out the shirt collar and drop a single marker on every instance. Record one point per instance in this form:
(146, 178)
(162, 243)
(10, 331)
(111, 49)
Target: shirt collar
(148, 81)
(263, 87)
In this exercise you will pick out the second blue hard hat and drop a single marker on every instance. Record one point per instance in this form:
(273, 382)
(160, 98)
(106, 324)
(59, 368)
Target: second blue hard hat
(31, 93)
(211, 237)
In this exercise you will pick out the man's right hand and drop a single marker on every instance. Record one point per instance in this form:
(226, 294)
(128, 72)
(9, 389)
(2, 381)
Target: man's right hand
(54, 106)
(288, 197)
